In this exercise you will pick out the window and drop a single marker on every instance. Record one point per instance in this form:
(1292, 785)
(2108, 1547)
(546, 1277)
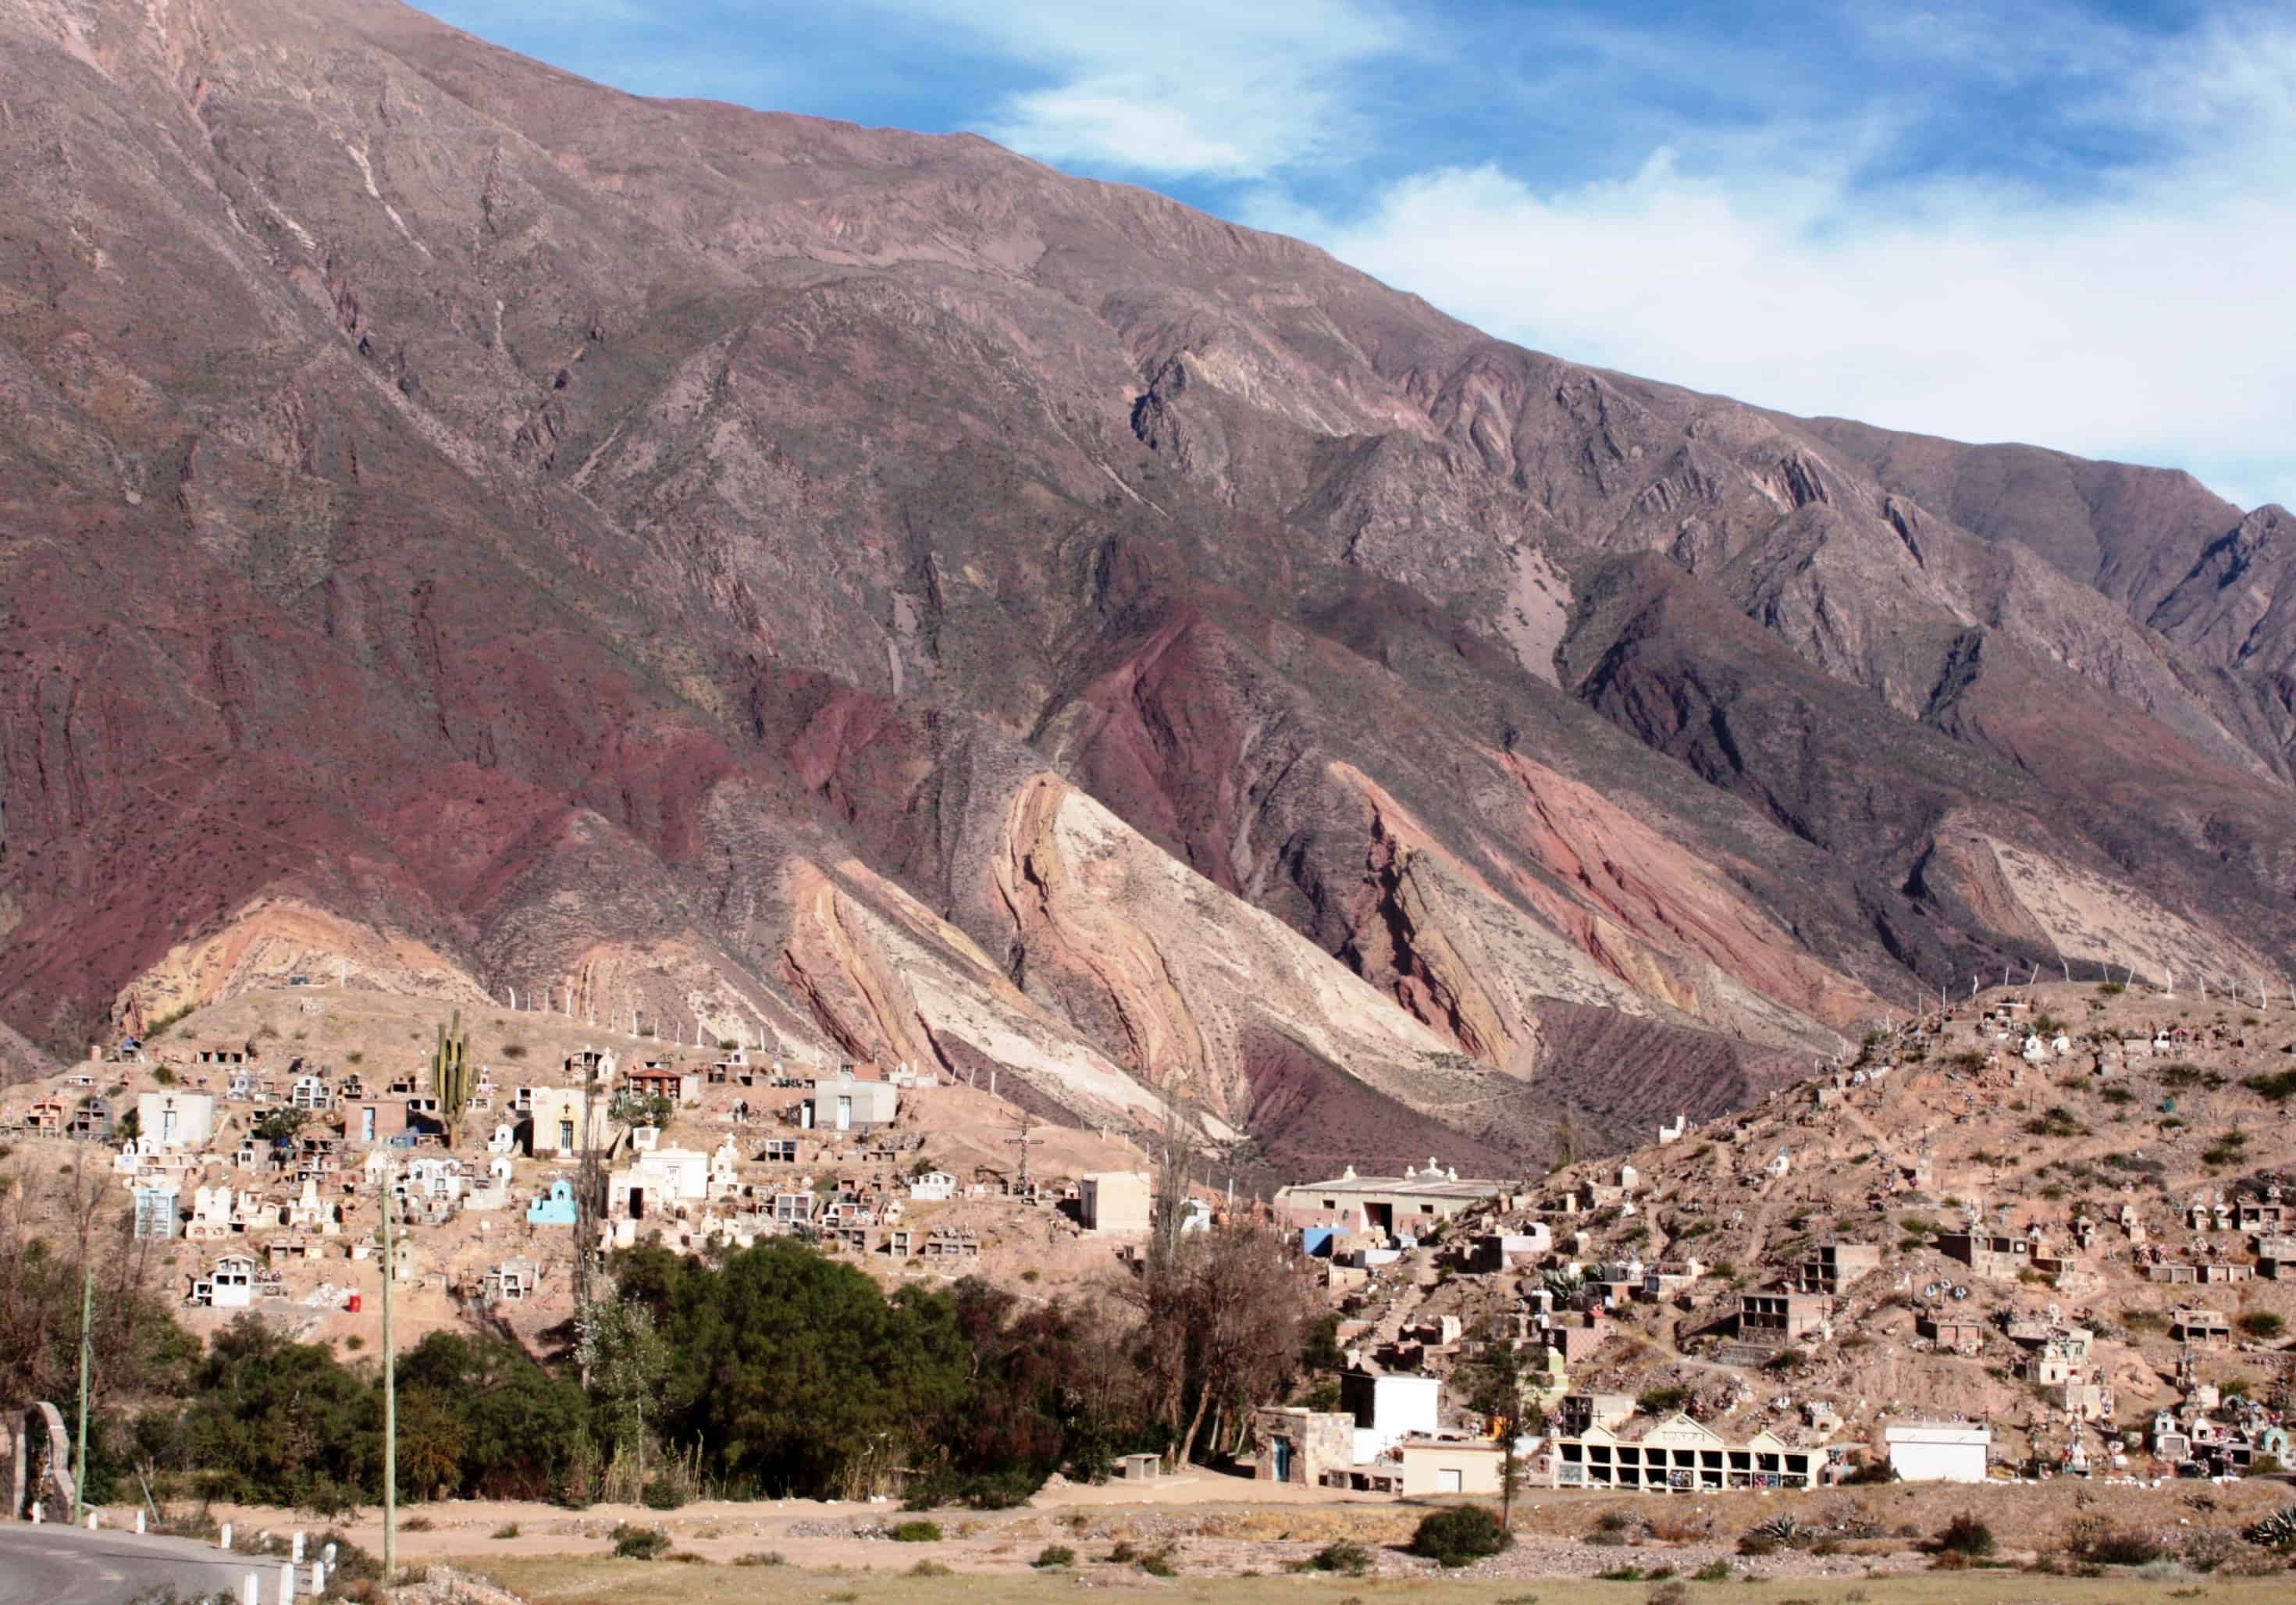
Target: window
(366, 1126)
(566, 1134)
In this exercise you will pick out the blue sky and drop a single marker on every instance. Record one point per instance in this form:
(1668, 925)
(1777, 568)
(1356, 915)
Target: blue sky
(2069, 224)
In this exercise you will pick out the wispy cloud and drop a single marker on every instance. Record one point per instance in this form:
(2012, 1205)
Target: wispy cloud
(1985, 219)
(2151, 315)
(1186, 88)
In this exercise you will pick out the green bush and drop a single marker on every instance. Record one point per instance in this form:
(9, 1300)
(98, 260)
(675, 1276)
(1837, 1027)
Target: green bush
(1966, 1534)
(2261, 1324)
(663, 1493)
(761, 1556)
(946, 1486)
(2279, 1087)
(1054, 1555)
(914, 1532)
(1353, 1558)
(639, 1542)
(1458, 1535)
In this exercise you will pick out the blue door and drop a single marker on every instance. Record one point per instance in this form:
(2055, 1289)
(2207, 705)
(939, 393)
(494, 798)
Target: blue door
(1283, 1460)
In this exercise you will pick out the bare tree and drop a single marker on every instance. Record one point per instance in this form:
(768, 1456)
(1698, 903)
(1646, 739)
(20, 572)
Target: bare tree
(1224, 1316)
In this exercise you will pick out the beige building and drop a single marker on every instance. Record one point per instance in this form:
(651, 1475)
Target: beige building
(1449, 1466)
(1384, 1205)
(556, 1116)
(1838, 1265)
(1115, 1201)
(1988, 1253)
(2206, 1328)
(1302, 1447)
(1778, 1317)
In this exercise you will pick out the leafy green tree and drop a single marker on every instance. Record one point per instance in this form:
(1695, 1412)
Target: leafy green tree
(516, 1425)
(280, 1124)
(629, 1108)
(627, 1361)
(272, 1421)
(796, 1373)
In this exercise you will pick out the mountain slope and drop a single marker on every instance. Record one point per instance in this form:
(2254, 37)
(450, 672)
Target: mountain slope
(869, 591)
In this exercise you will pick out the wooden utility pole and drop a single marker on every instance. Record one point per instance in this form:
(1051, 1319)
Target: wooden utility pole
(390, 1404)
(87, 1327)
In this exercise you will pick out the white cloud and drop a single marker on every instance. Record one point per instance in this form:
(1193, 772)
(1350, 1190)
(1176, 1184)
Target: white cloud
(2151, 316)
(1186, 88)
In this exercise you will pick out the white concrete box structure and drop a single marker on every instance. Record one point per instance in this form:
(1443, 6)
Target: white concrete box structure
(1389, 1409)
(846, 1102)
(1939, 1451)
(174, 1119)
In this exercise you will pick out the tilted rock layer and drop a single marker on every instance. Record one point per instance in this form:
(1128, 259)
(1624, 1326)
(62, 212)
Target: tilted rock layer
(464, 529)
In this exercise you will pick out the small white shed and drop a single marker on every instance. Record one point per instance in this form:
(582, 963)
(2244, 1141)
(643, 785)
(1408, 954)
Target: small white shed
(1939, 1452)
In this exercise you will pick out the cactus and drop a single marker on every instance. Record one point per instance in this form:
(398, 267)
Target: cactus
(1782, 1530)
(2275, 1531)
(452, 1079)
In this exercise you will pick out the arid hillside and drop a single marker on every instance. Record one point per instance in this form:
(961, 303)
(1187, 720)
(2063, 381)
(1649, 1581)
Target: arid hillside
(465, 530)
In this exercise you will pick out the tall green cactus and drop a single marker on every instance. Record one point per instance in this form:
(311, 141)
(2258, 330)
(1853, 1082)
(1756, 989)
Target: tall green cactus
(452, 1078)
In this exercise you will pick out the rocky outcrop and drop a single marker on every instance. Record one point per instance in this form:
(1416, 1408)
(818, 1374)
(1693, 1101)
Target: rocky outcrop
(1177, 970)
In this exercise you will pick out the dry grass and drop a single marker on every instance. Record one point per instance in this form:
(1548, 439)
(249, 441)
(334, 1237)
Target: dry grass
(630, 1584)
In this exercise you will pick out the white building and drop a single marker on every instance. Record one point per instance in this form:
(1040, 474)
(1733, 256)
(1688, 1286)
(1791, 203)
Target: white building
(1389, 1409)
(174, 1119)
(935, 1186)
(661, 1179)
(230, 1286)
(1939, 1451)
(846, 1102)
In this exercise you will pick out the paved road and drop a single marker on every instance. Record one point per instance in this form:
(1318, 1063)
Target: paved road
(57, 1565)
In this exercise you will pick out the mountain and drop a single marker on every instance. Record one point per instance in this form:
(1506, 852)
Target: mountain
(468, 531)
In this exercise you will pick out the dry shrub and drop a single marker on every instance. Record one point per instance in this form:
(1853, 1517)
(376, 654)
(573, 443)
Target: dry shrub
(1684, 1526)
